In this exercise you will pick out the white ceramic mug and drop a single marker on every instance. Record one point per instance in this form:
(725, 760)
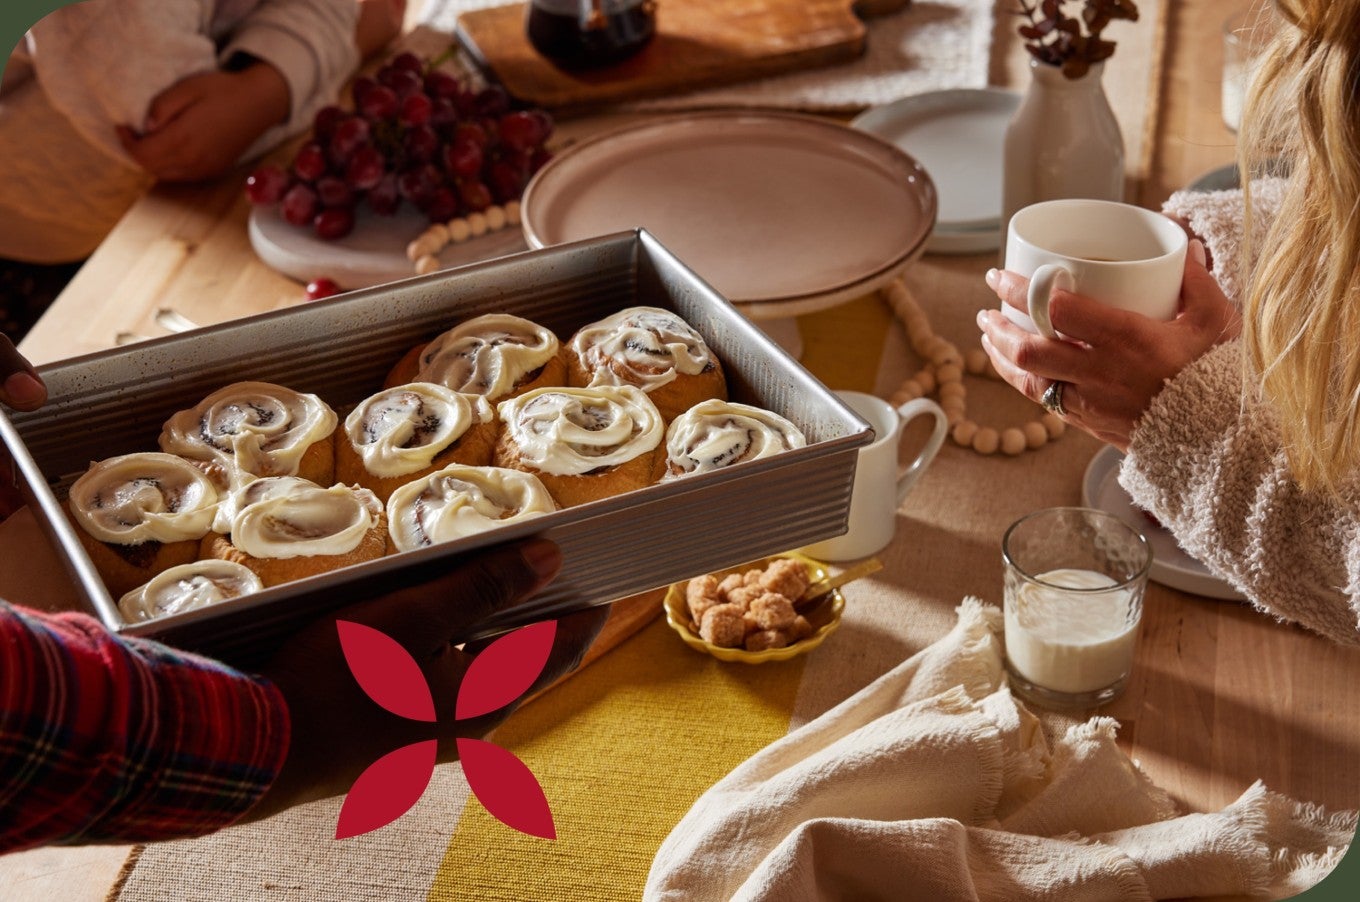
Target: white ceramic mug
(879, 488)
(1118, 254)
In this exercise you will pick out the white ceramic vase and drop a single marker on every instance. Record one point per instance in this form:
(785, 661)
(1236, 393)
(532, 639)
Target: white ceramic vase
(1063, 141)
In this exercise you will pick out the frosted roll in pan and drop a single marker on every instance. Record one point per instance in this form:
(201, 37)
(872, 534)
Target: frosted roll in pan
(342, 348)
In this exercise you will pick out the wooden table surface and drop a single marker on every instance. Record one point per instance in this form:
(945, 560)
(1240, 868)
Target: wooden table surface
(1236, 672)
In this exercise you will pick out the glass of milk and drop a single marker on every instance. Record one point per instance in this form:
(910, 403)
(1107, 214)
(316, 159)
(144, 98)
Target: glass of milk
(1074, 582)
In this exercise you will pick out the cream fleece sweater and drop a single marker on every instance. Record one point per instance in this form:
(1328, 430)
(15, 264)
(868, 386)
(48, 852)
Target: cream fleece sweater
(90, 66)
(1207, 462)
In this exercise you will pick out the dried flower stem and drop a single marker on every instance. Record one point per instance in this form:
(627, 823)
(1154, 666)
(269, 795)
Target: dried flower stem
(1072, 44)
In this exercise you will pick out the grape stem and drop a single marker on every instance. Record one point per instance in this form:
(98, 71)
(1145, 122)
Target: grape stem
(442, 58)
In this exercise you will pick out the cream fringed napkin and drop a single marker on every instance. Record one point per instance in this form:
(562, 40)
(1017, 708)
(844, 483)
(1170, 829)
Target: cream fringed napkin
(932, 782)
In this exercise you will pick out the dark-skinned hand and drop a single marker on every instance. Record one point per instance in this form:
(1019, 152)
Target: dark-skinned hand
(338, 731)
(21, 388)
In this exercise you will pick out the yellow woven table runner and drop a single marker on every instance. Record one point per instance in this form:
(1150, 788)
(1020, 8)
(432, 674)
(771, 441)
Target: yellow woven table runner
(622, 751)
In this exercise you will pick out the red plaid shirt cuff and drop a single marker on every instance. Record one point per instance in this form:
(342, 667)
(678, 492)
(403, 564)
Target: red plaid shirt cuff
(106, 739)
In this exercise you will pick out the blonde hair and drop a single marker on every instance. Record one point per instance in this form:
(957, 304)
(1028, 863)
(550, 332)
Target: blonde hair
(1301, 317)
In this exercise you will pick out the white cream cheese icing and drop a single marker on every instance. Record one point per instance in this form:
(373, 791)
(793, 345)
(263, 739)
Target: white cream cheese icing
(572, 431)
(716, 434)
(642, 346)
(285, 517)
(147, 496)
(402, 429)
(487, 355)
(255, 428)
(460, 501)
(187, 587)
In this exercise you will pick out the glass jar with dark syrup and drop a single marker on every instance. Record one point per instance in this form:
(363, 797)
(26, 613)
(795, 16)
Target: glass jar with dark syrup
(588, 34)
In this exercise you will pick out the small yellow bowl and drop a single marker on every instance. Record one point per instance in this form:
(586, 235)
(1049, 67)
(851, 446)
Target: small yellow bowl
(824, 618)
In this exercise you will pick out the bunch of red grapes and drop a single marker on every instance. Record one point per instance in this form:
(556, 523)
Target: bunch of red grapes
(416, 135)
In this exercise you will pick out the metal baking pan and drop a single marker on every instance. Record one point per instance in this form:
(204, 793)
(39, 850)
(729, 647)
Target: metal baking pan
(115, 402)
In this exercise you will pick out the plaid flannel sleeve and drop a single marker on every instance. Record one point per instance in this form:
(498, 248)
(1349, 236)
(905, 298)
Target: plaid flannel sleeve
(107, 739)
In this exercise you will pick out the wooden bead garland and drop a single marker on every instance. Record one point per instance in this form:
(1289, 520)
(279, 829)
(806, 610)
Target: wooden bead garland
(424, 250)
(943, 375)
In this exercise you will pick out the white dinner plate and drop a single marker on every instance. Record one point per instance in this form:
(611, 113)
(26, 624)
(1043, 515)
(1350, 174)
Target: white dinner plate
(1171, 566)
(1227, 178)
(782, 213)
(1223, 178)
(975, 241)
(958, 135)
(373, 254)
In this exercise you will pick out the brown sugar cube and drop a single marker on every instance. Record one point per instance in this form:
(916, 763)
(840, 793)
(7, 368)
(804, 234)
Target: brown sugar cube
(730, 582)
(701, 593)
(752, 577)
(802, 628)
(702, 586)
(723, 626)
(771, 612)
(744, 595)
(761, 640)
(786, 577)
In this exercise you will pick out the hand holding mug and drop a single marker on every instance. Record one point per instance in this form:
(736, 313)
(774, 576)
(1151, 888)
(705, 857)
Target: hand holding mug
(1114, 361)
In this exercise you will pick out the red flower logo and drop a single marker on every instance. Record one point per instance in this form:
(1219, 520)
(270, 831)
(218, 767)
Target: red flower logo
(390, 676)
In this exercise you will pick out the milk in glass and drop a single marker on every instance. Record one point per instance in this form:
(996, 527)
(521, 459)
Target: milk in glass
(1071, 641)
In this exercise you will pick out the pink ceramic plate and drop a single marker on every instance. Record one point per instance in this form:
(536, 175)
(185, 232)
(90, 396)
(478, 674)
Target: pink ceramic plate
(782, 213)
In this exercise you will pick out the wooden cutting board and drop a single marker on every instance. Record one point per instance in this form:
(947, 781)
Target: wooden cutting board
(626, 617)
(698, 43)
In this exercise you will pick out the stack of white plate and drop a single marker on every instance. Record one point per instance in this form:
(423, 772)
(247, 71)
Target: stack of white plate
(958, 136)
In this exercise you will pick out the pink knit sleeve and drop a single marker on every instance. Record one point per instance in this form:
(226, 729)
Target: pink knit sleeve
(1209, 466)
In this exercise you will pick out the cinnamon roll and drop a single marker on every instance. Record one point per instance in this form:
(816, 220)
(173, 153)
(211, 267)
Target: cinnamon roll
(405, 432)
(251, 429)
(712, 435)
(460, 501)
(653, 349)
(285, 528)
(139, 514)
(583, 443)
(497, 356)
(187, 587)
